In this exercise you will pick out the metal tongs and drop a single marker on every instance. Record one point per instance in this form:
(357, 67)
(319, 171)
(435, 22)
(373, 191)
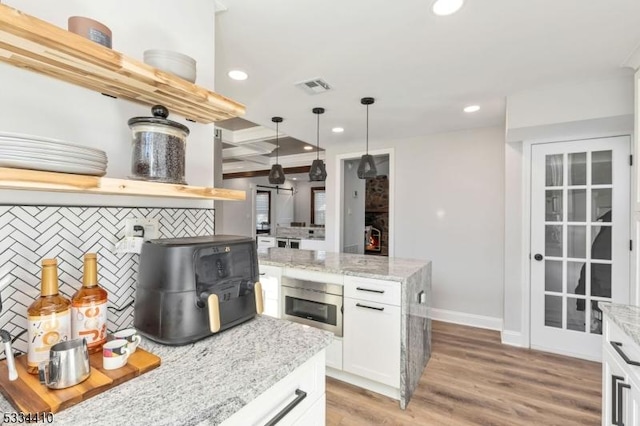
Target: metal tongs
(8, 350)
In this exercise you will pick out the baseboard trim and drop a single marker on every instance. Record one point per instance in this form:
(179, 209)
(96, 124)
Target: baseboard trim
(362, 382)
(462, 318)
(589, 357)
(512, 338)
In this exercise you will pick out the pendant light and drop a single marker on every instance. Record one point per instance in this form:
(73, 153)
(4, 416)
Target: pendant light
(276, 175)
(318, 171)
(367, 167)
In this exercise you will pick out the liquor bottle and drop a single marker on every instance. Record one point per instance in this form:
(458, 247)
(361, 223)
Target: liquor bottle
(89, 307)
(48, 318)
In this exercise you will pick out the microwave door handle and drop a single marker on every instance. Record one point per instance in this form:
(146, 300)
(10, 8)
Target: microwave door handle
(214, 312)
(257, 291)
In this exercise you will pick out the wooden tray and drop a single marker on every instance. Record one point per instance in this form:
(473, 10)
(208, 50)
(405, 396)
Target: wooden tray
(28, 395)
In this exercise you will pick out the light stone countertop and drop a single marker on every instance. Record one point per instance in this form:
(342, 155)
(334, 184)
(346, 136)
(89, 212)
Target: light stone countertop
(206, 381)
(361, 265)
(627, 317)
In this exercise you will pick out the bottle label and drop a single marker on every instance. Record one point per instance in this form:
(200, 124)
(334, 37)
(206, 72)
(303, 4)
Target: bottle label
(45, 331)
(90, 321)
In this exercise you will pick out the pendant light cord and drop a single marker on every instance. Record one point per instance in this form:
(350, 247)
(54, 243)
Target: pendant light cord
(367, 129)
(277, 143)
(318, 138)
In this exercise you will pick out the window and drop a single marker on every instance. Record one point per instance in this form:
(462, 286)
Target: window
(318, 205)
(263, 209)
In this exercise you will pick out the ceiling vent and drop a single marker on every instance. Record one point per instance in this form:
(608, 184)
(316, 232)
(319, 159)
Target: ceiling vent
(314, 86)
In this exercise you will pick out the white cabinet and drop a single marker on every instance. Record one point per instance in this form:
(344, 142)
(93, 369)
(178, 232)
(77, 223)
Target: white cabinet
(270, 279)
(297, 399)
(334, 354)
(620, 377)
(319, 245)
(371, 339)
(616, 386)
(265, 242)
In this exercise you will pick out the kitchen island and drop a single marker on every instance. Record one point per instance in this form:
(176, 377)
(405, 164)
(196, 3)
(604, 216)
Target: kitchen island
(208, 381)
(386, 314)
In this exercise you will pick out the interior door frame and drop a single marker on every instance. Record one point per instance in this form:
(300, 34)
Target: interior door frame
(527, 148)
(339, 196)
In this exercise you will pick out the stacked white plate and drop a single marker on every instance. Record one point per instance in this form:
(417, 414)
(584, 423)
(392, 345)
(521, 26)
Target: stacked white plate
(38, 153)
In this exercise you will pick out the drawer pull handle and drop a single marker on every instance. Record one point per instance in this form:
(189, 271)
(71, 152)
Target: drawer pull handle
(369, 307)
(614, 399)
(300, 395)
(618, 348)
(370, 290)
(621, 387)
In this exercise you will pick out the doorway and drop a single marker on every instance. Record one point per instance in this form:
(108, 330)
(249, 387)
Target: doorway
(579, 252)
(365, 220)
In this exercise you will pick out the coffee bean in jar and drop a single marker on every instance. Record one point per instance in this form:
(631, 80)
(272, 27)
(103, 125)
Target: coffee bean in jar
(158, 148)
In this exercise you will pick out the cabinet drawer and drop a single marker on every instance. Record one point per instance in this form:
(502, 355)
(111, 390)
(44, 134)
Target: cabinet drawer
(315, 415)
(380, 291)
(309, 378)
(619, 342)
(266, 242)
(274, 271)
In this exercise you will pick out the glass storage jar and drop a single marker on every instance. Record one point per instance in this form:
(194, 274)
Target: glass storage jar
(158, 148)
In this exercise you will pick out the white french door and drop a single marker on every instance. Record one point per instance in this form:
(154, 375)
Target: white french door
(579, 241)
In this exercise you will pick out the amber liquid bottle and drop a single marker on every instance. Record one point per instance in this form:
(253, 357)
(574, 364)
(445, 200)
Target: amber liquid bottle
(89, 307)
(48, 318)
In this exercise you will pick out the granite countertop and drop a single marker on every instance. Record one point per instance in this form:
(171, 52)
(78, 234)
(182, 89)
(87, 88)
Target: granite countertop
(206, 381)
(361, 265)
(627, 317)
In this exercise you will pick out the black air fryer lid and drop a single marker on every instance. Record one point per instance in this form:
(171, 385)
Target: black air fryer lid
(160, 115)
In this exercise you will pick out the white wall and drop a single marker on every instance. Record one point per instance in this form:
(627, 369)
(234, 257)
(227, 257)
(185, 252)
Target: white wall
(39, 105)
(557, 113)
(449, 208)
(514, 222)
(570, 102)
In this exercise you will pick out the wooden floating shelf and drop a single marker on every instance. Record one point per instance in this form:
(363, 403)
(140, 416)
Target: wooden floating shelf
(39, 46)
(33, 180)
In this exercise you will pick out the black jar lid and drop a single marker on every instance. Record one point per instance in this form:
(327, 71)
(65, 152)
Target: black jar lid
(160, 115)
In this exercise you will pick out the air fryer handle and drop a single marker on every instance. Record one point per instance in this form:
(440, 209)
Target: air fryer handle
(213, 304)
(257, 289)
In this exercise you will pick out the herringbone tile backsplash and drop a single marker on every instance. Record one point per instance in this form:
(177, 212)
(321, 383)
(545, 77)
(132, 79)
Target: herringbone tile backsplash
(29, 234)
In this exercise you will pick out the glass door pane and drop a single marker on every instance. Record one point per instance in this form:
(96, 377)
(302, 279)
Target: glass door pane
(577, 238)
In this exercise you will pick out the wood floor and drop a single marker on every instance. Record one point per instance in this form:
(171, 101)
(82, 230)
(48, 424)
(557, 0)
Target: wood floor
(472, 379)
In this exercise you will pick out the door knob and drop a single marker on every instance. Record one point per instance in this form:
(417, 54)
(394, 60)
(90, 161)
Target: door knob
(538, 257)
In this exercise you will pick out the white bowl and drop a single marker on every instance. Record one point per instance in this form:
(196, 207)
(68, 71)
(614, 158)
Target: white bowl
(172, 62)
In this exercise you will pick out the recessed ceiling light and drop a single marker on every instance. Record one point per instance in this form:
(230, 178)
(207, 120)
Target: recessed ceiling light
(472, 108)
(238, 75)
(446, 7)
(295, 178)
(337, 130)
(308, 148)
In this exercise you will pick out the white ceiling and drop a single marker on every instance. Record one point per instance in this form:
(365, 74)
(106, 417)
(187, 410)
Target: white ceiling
(422, 69)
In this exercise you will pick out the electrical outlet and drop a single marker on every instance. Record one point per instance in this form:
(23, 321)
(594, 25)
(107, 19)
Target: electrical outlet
(150, 227)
